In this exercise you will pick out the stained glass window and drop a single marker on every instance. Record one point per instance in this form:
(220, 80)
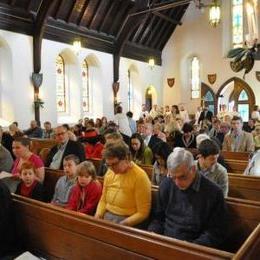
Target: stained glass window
(85, 84)
(243, 110)
(243, 96)
(195, 78)
(129, 90)
(237, 23)
(60, 84)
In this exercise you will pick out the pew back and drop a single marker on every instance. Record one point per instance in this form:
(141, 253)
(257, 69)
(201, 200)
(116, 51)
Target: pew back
(244, 187)
(57, 233)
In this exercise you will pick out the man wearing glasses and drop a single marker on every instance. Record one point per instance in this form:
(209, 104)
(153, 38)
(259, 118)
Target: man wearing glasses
(126, 196)
(189, 207)
(63, 148)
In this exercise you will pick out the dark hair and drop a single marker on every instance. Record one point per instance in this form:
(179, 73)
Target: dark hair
(66, 126)
(187, 128)
(23, 140)
(208, 147)
(15, 123)
(140, 153)
(47, 122)
(119, 109)
(235, 118)
(163, 150)
(118, 150)
(129, 114)
(71, 157)
(176, 108)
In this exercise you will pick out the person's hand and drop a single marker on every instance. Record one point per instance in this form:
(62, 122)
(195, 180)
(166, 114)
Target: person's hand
(123, 222)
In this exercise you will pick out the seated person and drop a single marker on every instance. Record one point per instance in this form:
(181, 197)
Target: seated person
(140, 153)
(187, 139)
(126, 196)
(238, 140)
(6, 159)
(162, 151)
(65, 183)
(93, 147)
(47, 131)
(208, 166)
(86, 193)
(6, 222)
(23, 154)
(64, 147)
(110, 136)
(34, 131)
(70, 133)
(189, 207)
(29, 186)
(256, 135)
(253, 167)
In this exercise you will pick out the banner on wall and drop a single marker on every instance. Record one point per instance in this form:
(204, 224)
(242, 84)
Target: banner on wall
(171, 82)
(212, 78)
(257, 75)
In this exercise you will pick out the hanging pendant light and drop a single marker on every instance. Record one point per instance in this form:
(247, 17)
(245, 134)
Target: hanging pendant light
(77, 46)
(214, 13)
(151, 63)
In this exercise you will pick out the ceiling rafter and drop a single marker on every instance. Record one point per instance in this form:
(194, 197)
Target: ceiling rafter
(75, 11)
(168, 19)
(108, 15)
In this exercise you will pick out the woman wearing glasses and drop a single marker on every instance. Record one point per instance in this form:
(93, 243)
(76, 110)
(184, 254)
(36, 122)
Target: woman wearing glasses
(126, 195)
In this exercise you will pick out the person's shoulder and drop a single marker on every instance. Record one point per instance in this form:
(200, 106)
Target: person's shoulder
(209, 187)
(220, 168)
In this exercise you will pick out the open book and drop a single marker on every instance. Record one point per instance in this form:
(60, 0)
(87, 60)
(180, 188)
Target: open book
(5, 174)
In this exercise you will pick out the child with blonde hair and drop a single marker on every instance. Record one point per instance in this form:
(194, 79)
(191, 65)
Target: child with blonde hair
(87, 192)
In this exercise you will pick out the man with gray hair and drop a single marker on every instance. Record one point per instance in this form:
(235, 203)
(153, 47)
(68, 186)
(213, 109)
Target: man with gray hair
(189, 207)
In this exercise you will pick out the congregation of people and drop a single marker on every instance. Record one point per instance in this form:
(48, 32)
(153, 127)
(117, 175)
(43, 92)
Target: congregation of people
(183, 150)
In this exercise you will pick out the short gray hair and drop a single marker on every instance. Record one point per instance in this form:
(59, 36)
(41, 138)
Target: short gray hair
(180, 156)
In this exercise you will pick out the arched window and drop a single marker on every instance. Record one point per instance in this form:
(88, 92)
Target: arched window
(195, 78)
(243, 105)
(237, 23)
(60, 85)
(85, 86)
(129, 92)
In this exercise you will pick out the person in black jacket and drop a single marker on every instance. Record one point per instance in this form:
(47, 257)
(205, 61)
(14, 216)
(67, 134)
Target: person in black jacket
(206, 116)
(63, 148)
(6, 221)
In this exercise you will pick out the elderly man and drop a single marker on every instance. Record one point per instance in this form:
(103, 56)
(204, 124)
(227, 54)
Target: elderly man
(238, 140)
(63, 148)
(190, 207)
(126, 196)
(34, 131)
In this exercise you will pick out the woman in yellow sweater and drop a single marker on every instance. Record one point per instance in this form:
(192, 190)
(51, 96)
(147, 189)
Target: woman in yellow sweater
(126, 195)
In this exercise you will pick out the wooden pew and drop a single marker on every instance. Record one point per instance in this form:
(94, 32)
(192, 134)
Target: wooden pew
(244, 187)
(240, 156)
(57, 233)
(38, 144)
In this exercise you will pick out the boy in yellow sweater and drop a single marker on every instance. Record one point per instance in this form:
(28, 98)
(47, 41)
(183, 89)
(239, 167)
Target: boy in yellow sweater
(126, 195)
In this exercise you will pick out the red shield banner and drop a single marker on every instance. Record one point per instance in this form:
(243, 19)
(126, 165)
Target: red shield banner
(257, 75)
(171, 82)
(212, 78)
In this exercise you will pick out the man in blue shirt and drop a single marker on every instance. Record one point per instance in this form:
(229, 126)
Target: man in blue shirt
(189, 207)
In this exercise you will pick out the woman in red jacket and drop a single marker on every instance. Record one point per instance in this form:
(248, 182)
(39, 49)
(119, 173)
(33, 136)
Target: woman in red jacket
(86, 193)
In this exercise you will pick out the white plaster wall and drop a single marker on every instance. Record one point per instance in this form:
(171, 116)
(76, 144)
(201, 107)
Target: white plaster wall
(16, 89)
(143, 77)
(210, 45)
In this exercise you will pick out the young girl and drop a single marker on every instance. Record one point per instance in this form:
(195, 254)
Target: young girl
(87, 192)
(29, 186)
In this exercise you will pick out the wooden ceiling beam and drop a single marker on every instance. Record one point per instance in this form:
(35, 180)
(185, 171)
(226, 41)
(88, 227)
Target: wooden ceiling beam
(76, 11)
(161, 7)
(89, 13)
(108, 15)
(168, 19)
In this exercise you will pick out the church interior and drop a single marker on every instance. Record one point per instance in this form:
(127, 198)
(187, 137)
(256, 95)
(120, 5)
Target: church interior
(92, 80)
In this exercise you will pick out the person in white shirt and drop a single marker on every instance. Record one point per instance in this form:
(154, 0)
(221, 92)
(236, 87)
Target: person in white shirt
(154, 111)
(144, 113)
(122, 122)
(184, 114)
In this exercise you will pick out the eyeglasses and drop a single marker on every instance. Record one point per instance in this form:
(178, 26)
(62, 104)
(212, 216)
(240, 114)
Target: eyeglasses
(113, 165)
